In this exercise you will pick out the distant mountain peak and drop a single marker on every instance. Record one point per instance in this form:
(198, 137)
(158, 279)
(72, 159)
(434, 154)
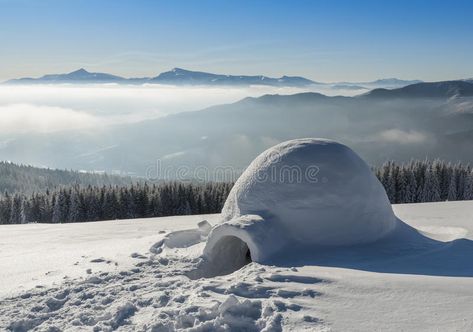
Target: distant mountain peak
(80, 71)
(180, 70)
(77, 76)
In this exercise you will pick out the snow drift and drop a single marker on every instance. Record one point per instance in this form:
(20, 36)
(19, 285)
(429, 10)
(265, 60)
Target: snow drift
(298, 194)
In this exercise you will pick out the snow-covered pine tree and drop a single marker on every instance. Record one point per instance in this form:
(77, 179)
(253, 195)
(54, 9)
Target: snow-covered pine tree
(411, 189)
(401, 185)
(431, 190)
(110, 207)
(93, 203)
(35, 208)
(441, 172)
(61, 207)
(419, 169)
(155, 204)
(17, 212)
(468, 189)
(461, 175)
(76, 206)
(5, 209)
(130, 205)
(140, 198)
(388, 181)
(452, 187)
(184, 209)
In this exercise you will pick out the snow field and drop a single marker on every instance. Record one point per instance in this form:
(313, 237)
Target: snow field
(157, 295)
(421, 288)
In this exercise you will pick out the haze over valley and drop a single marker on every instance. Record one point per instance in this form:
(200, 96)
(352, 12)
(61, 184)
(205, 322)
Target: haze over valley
(129, 128)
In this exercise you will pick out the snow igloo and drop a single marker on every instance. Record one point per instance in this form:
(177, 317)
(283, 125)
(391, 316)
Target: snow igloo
(303, 193)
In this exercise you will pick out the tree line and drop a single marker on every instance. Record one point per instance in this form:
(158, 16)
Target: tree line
(92, 203)
(413, 182)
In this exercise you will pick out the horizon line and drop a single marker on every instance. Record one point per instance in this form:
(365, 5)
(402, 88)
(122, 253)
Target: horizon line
(467, 77)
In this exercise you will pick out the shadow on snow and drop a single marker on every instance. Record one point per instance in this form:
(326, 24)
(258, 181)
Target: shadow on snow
(405, 251)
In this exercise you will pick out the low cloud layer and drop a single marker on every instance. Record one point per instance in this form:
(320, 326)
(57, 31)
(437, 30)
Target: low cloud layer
(45, 108)
(402, 137)
(27, 118)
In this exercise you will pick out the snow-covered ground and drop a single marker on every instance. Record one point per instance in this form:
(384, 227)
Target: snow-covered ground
(143, 275)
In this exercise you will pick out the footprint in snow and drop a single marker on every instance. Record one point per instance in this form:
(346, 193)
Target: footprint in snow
(138, 256)
(98, 260)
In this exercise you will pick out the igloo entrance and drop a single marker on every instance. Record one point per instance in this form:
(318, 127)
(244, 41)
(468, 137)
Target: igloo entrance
(228, 254)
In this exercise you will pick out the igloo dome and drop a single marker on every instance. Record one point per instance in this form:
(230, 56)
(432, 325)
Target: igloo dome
(303, 192)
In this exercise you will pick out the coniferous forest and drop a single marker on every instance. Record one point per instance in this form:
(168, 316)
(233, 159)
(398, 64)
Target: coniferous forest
(426, 181)
(414, 182)
(92, 203)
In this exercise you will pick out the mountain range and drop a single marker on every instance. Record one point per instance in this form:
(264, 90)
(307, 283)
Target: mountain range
(179, 76)
(176, 76)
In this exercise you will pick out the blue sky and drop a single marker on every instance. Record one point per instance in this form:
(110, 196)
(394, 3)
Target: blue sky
(323, 40)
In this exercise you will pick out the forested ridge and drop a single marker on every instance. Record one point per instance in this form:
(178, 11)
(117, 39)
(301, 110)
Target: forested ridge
(27, 179)
(413, 182)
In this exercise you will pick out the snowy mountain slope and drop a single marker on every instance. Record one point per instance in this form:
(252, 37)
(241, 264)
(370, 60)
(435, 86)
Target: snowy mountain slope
(424, 289)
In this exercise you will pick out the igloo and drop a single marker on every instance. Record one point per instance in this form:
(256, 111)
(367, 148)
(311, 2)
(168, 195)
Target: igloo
(298, 194)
